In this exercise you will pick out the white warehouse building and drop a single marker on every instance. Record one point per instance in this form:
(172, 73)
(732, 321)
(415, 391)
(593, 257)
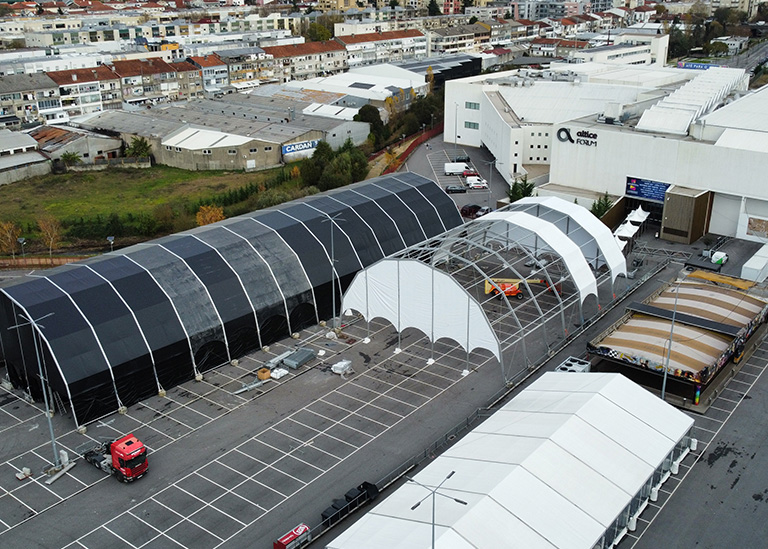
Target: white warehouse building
(696, 141)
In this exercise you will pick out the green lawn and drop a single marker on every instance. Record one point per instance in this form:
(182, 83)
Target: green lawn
(122, 192)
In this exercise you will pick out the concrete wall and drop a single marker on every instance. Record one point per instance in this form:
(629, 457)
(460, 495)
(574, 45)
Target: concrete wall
(23, 172)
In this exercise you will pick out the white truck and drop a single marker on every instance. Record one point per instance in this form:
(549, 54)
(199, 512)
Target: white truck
(455, 168)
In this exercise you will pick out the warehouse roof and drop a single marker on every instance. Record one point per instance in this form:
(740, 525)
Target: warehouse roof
(196, 139)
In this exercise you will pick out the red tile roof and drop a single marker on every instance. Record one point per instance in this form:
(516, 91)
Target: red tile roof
(102, 72)
(308, 48)
(184, 66)
(204, 61)
(137, 67)
(379, 36)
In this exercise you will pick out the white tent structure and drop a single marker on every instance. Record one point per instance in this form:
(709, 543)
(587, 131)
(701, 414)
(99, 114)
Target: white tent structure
(591, 236)
(569, 463)
(508, 282)
(626, 230)
(638, 216)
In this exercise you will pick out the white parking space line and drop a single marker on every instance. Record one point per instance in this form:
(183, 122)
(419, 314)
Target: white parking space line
(119, 537)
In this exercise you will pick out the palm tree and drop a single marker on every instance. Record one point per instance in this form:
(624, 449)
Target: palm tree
(71, 158)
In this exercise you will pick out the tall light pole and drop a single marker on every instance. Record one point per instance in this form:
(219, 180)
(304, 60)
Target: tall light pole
(35, 328)
(111, 240)
(432, 124)
(671, 332)
(433, 492)
(332, 219)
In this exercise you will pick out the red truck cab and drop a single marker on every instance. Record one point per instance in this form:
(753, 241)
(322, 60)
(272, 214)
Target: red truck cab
(129, 458)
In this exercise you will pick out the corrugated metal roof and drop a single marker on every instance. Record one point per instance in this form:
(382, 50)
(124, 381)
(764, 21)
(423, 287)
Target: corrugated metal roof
(747, 113)
(13, 140)
(553, 468)
(745, 140)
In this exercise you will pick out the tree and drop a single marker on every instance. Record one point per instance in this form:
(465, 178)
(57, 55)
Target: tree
(716, 48)
(40, 10)
(393, 4)
(472, 20)
(660, 9)
(139, 148)
(433, 9)
(520, 189)
(508, 15)
(50, 229)
(209, 214)
(317, 33)
(601, 206)
(5, 9)
(71, 158)
(370, 114)
(336, 174)
(466, 4)
(9, 235)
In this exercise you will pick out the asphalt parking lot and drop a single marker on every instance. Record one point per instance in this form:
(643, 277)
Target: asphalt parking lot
(234, 470)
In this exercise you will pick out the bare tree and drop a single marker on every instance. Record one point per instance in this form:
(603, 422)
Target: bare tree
(50, 228)
(9, 235)
(209, 214)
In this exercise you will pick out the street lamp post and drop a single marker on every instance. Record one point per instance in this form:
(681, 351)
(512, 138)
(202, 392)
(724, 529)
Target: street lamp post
(671, 333)
(111, 240)
(21, 240)
(34, 323)
(433, 492)
(432, 123)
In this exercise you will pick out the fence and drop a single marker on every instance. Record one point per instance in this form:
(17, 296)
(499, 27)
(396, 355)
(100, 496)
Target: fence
(36, 262)
(426, 136)
(105, 163)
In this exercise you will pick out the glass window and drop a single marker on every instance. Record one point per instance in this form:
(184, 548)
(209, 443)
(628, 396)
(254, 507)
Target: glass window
(206, 151)
(232, 151)
(472, 125)
(267, 148)
(472, 106)
(254, 151)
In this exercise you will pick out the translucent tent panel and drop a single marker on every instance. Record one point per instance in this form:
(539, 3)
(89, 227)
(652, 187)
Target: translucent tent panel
(539, 236)
(626, 230)
(584, 229)
(144, 299)
(408, 293)
(190, 298)
(388, 238)
(278, 265)
(408, 225)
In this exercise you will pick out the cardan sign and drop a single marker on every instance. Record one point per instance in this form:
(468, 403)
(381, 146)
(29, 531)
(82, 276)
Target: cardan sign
(583, 137)
(301, 146)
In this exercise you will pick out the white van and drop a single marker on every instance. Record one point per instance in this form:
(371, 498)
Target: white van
(475, 182)
(455, 168)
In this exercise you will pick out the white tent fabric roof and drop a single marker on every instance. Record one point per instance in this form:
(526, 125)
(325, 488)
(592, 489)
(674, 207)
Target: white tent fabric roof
(409, 294)
(638, 216)
(553, 468)
(626, 230)
(539, 236)
(620, 243)
(593, 232)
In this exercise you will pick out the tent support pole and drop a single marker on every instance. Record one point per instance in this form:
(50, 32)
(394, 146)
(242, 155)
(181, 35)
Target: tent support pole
(399, 334)
(469, 304)
(432, 335)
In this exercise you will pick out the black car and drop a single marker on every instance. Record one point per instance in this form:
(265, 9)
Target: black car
(450, 189)
(461, 158)
(470, 210)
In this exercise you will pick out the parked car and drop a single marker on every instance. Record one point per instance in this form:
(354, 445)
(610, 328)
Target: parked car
(474, 182)
(482, 211)
(462, 158)
(470, 210)
(450, 189)
(469, 173)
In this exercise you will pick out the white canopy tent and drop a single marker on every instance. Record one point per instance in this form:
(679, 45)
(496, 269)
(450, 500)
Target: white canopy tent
(638, 216)
(568, 463)
(584, 229)
(626, 230)
(411, 294)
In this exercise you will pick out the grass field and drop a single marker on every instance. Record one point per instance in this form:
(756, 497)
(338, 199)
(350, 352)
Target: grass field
(120, 192)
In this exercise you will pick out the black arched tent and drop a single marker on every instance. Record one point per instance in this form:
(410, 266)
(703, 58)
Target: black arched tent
(117, 328)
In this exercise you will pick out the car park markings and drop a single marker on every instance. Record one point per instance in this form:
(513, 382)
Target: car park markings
(711, 434)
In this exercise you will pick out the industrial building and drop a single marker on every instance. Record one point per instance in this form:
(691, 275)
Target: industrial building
(123, 326)
(693, 140)
(571, 462)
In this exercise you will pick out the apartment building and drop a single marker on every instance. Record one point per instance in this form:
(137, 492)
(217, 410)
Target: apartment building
(83, 91)
(452, 40)
(384, 47)
(248, 67)
(309, 60)
(147, 81)
(29, 98)
(190, 80)
(214, 70)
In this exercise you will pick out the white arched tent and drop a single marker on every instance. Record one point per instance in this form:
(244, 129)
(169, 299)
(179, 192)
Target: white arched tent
(582, 227)
(451, 286)
(411, 294)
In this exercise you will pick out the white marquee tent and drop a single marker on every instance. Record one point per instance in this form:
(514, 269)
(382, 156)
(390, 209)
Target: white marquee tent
(568, 463)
